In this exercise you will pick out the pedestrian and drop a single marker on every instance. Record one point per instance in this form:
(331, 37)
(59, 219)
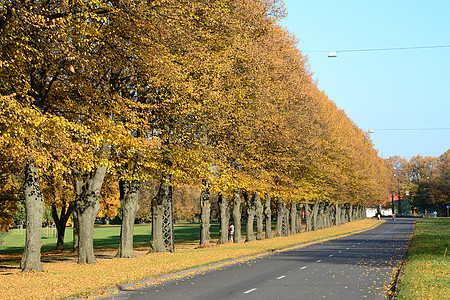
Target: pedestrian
(393, 217)
(231, 232)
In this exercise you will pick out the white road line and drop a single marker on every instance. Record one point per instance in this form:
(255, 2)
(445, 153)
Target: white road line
(302, 268)
(249, 291)
(281, 277)
(319, 260)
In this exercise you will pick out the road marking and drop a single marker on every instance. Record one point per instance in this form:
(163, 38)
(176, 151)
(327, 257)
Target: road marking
(249, 291)
(302, 268)
(281, 277)
(319, 260)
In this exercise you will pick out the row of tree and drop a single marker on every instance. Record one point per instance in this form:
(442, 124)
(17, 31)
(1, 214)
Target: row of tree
(179, 91)
(288, 219)
(427, 180)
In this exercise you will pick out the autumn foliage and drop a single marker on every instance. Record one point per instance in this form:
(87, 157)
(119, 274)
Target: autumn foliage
(197, 90)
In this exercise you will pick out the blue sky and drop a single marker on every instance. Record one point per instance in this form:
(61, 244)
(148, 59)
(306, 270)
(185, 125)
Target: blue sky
(393, 90)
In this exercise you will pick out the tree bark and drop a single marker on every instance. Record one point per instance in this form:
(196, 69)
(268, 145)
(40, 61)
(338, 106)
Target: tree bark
(337, 214)
(251, 212)
(308, 217)
(129, 203)
(34, 205)
(159, 205)
(285, 220)
(268, 214)
(349, 209)
(224, 211)
(76, 231)
(259, 210)
(299, 218)
(314, 211)
(326, 216)
(205, 205)
(344, 213)
(61, 221)
(294, 218)
(87, 207)
(78, 187)
(237, 214)
(280, 216)
(321, 216)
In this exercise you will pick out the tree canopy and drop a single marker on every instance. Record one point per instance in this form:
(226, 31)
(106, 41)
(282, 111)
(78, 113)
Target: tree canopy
(198, 89)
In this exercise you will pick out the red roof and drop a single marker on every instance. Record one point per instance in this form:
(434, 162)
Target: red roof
(396, 197)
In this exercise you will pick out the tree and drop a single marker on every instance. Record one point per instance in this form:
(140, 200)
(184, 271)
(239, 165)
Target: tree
(205, 205)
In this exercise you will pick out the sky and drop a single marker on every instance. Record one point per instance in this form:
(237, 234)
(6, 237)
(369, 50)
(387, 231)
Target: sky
(403, 95)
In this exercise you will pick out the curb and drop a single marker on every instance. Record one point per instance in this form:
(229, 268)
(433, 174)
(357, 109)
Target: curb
(393, 287)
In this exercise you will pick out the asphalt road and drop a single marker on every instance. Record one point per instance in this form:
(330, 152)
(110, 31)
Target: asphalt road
(359, 266)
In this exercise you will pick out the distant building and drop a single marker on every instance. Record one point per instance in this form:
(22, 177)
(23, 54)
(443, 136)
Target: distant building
(402, 207)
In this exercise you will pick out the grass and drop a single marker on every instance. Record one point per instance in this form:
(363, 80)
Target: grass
(64, 278)
(427, 269)
(105, 237)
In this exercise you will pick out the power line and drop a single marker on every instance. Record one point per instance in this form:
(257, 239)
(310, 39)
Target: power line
(384, 49)
(412, 129)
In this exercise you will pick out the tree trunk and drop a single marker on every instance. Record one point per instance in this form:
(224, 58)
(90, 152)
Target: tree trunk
(205, 213)
(299, 218)
(251, 212)
(87, 207)
(76, 231)
(321, 216)
(34, 205)
(129, 203)
(285, 220)
(326, 216)
(344, 212)
(280, 216)
(259, 210)
(268, 214)
(349, 209)
(314, 212)
(294, 218)
(61, 221)
(78, 187)
(159, 205)
(337, 214)
(237, 214)
(224, 211)
(308, 217)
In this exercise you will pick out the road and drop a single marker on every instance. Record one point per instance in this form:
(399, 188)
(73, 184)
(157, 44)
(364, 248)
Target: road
(359, 266)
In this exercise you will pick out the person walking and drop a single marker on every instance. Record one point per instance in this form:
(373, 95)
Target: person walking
(231, 232)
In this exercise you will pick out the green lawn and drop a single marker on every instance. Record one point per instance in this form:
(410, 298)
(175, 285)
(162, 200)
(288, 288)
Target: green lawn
(106, 237)
(427, 270)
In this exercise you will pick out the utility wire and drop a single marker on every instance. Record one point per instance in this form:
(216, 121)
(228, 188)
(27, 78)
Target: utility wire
(384, 49)
(395, 129)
